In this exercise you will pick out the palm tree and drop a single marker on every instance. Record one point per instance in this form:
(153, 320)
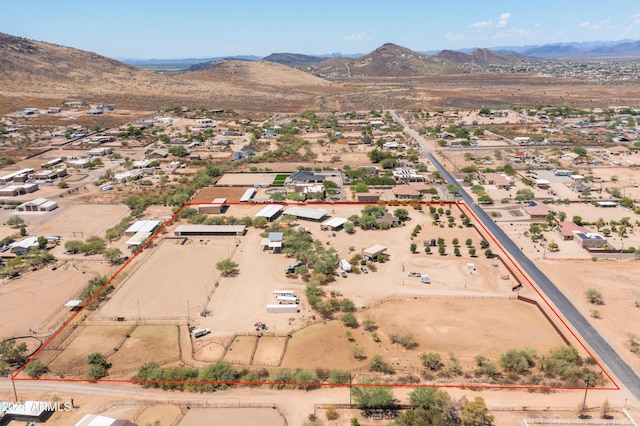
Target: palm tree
(589, 382)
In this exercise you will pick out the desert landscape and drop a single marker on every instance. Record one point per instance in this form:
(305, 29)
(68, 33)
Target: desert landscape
(267, 241)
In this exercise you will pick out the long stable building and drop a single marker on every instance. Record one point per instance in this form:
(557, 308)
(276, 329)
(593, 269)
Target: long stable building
(189, 230)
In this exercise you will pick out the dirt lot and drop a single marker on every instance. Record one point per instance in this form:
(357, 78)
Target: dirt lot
(207, 195)
(148, 343)
(620, 288)
(73, 360)
(269, 350)
(84, 220)
(158, 289)
(249, 417)
(241, 349)
(438, 325)
(41, 294)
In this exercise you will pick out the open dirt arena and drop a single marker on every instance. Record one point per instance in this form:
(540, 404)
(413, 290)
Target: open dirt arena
(241, 349)
(88, 219)
(170, 280)
(42, 294)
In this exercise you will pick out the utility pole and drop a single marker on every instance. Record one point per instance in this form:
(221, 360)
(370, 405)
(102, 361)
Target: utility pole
(15, 394)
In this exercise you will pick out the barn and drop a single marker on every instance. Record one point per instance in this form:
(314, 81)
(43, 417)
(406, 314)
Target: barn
(38, 205)
(210, 230)
(218, 206)
(149, 226)
(306, 213)
(270, 212)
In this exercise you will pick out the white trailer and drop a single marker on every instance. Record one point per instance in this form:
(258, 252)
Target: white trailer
(287, 300)
(282, 309)
(279, 293)
(425, 279)
(199, 332)
(345, 265)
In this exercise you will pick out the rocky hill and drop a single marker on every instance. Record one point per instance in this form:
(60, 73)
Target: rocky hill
(294, 59)
(391, 60)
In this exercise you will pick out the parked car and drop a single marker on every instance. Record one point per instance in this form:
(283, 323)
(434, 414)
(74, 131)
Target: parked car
(364, 269)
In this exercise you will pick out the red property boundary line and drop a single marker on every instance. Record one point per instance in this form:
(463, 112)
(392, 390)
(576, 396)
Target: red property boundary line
(460, 205)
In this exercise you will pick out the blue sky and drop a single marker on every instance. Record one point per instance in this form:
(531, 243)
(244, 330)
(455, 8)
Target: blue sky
(209, 28)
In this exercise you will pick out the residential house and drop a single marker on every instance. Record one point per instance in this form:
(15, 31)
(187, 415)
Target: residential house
(406, 192)
(499, 180)
(536, 211)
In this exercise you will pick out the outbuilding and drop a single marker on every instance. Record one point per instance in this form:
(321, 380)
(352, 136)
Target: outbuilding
(38, 205)
(188, 230)
(373, 252)
(306, 213)
(333, 224)
(270, 212)
(143, 226)
(218, 206)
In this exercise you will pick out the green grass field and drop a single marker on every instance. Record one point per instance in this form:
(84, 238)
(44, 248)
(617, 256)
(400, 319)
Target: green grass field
(280, 178)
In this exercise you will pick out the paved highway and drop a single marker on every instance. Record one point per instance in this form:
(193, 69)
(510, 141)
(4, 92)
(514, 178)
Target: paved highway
(606, 353)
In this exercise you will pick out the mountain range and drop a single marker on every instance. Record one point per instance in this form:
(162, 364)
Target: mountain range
(576, 50)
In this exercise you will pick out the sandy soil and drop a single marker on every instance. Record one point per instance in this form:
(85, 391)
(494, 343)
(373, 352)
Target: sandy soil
(42, 294)
(148, 343)
(166, 414)
(441, 326)
(157, 289)
(247, 416)
(82, 220)
(73, 360)
(620, 288)
(269, 350)
(241, 349)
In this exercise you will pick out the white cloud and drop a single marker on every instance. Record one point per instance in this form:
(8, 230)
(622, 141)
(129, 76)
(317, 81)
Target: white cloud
(481, 24)
(604, 24)
(636, 18)
(504, 20)
(354, 37)
(455, 37)
(519, 34)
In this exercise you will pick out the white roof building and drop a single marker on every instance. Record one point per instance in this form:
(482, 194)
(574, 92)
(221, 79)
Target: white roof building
(269, 212)
(333, 223)
(306, 213)
(142, 226)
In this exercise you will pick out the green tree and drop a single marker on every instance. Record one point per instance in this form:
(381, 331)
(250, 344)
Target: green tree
(93, 245)
(422, 397)
(369, 323)
(594, 296)
(431, 360)
(379, 365)
(73, 246)
(63, 184)
(350, 320)
(577, 220)
(401, 214)
(112, 255)
(226, 266)
(413, 247)
(35, 369)
(277, 196)
(372, 397)
(42, 242)
(13, 353)
(23, 231)
(518, 361)
(221, 372)
(475, 413)
(15, 221)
